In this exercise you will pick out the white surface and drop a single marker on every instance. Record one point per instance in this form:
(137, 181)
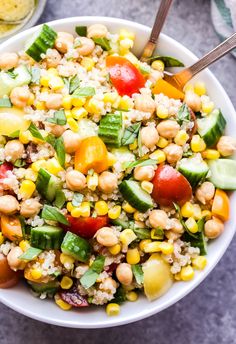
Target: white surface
(21, 300)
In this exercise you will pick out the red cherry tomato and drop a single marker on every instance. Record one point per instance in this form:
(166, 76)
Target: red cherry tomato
(6, 166)
(8, 277)
(86, 227)
(125, 77)
(170, 186)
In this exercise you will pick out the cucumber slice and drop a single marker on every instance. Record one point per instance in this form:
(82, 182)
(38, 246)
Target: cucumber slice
(211, 127)
(46, 237)
(76, 247)
(7, 83)
(135, 195)
(111, 129)
(194, 169)
(41, 42)
(223, 173)
(49, 288)
(48, 185)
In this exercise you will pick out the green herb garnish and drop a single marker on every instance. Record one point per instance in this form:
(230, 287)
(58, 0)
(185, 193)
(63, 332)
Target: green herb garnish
(60, 150)
(91, 275)
(58, 118)
(139, 163)
(103, 42)
(31, 253)
(84, 92)
(183, 115)
(15, 134)
(35, 132)
(74, 84)
(130, 134)
(168, 61)
(81, 30)
(60, 199)
(52, 214)
(138, 273)
(142, 233)
(5, 103)
(19, 163)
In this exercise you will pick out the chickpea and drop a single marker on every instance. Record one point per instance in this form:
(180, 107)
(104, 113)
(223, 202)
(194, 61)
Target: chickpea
(149, 136)
(213, 228)
(107, 182)
(145, 103)
(55, 129)
(226, 145)
(64, 41)
(171, 235)
(97, 31)
(13, 259)
(19, 96)
(193, 101)
(124, 273)
(173, 153)
(8, 61)
(176, 226)
(71, 141)
(68, 69)
(54, 101)
(8, 205)
(158, 218)
(106, 237)
(30, 207)
(75, 180)
(168, 129)
(144, 173)
(108, 284)
(53, 58)
(14, 150)
(86, 47)
(205, 192)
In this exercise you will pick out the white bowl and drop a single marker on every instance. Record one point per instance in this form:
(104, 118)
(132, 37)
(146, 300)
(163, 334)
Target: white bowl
(20, 298)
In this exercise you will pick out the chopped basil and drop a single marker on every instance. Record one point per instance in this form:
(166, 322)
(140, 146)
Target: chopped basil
(168, 61)
(15, 134)
(77, 199)
(120, 296)
(51, 139)
(84, 92)
(52, 214)
(81, 30)
(138, 273)
(158, 234)
(142, 233)
(130, 134)
(66, 82)
(139, 163)
(5, 103)
(35, 132)
(74, 84)
(35, 75)
(183, 114)
(19, 163)
(60, 199)
(199, 239)
(58, 118)
(140, 150)
(177, 208)
(60, 150)
(12, 74)
(91, 275)
(187, 154)
(103, 42)
(30, 254)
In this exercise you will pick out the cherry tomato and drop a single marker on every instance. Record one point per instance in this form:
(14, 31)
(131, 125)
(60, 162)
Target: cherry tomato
(11, 227)
(86, 227)
(170, 186)
(125, 77)
(6, 166)
(8, 277)
(221, 205)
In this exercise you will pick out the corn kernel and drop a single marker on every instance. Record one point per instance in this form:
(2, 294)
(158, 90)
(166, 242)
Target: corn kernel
(56, 83)
(166, 248)
(114, 212)
(1, 238)
(138, 216)
(206, 214)
(162, 142)
(44, 90)
(75, 212)
(133, 145)
(79, 113)
(188, 87)
(197, 213)
(40, 105)
(114, 250)
(132, 296)
(152, 247)
(25, 137)
(200, 88)
(66, 282)
(192, 225)
(197, 144)
(67, 102)
(158, 65)
(53, 166)
(31, 99)
(94, 106)
(187, 273)
(126, 44)
(84, 209)
(162, 111)
(62, 304)
(147, 186)
(181, 138)
(132, 58)
(52, 71)
(69, 206)
(110, 97)
(128, 208)
(132, 256)
(73, 124)
(126, 34)
(127, 236)
(112, 309)
(87, 63)
(207, 107)
(65, 259)
(38, 164)
(68, 114)
(187, 210)
(210, 154)
(78, 102)
(36, 273)
(101, 208)
(27, 189)
(126, 103)
(177, 276)
(92, 181)
(143, 243)
(158, 155)
(111, 159)
(44, 80)
(199, 262)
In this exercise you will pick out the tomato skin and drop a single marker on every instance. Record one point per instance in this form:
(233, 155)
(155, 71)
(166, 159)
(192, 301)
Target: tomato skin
(125, 77)
(221, 205)
(8, 277)
(170, 186)
(6, 166)
(86, 227)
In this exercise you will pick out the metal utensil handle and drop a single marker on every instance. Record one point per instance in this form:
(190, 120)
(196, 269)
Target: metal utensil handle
(160, 19)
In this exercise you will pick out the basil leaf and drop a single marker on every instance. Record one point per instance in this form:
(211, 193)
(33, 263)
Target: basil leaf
(42, 181)
(177, 208)
(15, 134)
(12, 74)
(51, 139)
(84, 92)
(130, 134)
(91, 275)
(5, 103)
(58, 118)
(183, 114)
(60, 150)
(35, 75)
(139, 163)
(187, 154)
(138, 273)
(81, 30)
(35, 132)
(74, 84)
(142, 233)
(140, 151)
(198, 241)
(60, 199)
(120, 296)
(31, 253)
(77, 199)
(52, 214)
(168, 61)
(66, 82)
(103, 42)
(19, 163)
(158, 234)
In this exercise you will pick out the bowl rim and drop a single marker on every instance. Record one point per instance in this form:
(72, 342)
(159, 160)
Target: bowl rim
(200, 278)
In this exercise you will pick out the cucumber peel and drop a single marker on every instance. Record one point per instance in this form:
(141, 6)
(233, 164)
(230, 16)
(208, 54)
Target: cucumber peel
(223, 173)
(135, 195)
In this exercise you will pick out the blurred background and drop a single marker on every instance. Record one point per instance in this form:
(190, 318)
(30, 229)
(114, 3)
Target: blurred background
(208, 314)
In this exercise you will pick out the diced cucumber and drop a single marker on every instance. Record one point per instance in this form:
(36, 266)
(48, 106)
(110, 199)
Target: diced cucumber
(87, 128)
(121, 223)
(46, 237)
(135, 195)
(7, 83)
(194, 169)
(76, 247)
(41, 42)
(47, 185)
(223, 173)
(123, 155)
(111, 129)
(211, 127)
(49, 288)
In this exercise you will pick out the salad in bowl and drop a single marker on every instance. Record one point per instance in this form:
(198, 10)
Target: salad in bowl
(112, 182)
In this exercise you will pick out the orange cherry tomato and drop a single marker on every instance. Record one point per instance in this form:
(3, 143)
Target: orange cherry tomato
(8, 277)
(167, 89)
(11, 227)
(221, 205)
(92, 154)
(125, 77)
